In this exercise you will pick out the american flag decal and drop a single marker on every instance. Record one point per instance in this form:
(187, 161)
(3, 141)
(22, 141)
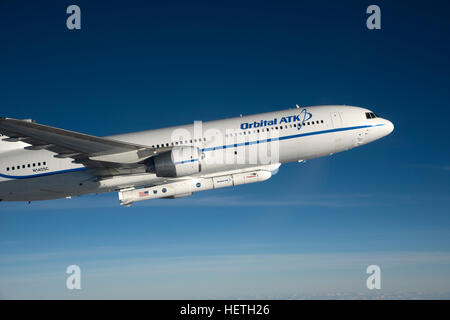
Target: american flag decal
(143, 194)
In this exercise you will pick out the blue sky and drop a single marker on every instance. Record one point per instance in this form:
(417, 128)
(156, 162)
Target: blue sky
(311, 230)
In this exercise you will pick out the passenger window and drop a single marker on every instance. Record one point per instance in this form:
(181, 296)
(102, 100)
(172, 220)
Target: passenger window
(7, 169)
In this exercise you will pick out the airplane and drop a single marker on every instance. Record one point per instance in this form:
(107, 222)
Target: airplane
(39, 162)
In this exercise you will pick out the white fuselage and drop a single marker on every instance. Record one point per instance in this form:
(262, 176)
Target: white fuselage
(227, 145)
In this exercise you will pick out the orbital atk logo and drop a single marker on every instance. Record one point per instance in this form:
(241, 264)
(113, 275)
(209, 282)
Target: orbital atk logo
(303, 116)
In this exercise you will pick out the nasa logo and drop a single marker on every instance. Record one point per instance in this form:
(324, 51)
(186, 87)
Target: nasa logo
(198, 184)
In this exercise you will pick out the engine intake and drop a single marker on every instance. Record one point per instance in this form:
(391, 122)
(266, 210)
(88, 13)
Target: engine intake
(178, 162)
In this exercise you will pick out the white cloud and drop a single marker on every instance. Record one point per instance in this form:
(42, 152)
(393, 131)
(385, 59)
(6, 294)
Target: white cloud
(287, 276)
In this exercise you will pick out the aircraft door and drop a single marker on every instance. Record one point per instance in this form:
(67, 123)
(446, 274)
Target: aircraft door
(336, 119)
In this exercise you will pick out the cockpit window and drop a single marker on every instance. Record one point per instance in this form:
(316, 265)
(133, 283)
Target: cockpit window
(371, 115)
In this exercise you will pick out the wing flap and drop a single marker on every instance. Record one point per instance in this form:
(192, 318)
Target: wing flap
(84, 148)
(68, 139)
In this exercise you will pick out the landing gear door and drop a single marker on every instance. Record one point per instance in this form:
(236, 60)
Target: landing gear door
(336, 119)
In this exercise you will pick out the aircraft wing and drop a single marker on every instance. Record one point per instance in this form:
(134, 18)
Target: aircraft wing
(88, 150)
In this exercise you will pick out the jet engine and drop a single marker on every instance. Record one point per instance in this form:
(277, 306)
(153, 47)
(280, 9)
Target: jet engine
(178, 162)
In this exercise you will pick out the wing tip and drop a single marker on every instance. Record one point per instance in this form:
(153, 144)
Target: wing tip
(24, 120)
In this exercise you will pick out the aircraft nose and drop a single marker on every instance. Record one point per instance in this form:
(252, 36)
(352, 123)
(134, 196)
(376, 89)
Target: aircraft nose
(389, 127)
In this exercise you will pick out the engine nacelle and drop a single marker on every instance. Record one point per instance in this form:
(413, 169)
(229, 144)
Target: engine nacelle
(179, 162)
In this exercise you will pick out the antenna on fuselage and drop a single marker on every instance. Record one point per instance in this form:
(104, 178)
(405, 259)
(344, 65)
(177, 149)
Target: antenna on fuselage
(297, 106)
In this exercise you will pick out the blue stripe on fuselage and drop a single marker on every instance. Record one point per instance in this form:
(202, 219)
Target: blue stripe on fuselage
(289, 137)
(42, 174)
(186, 161)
